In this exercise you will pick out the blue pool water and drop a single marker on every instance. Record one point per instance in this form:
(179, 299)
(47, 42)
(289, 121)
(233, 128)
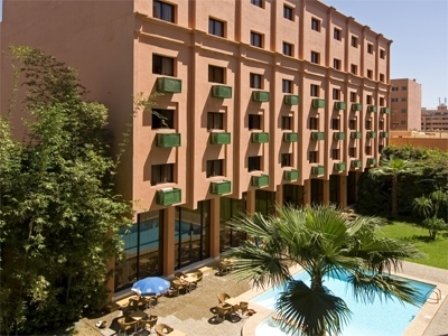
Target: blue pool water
(385, 318)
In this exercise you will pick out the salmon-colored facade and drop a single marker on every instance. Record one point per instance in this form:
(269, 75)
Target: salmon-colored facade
(431, 140)
(252, 104)
(405, 104)
(435, 119)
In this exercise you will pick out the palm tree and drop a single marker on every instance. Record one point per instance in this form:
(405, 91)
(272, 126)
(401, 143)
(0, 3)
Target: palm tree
(393, 167)
(322, 241)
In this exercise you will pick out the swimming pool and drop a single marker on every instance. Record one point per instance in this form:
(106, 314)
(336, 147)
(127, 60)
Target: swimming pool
(389, 317)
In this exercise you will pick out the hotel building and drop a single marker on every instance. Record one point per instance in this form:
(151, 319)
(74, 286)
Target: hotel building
(252, 103)
(435, 119)
(405, 104)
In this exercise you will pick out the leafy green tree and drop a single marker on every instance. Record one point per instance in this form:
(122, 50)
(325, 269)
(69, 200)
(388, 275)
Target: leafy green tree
(59, 215)
(323, 242)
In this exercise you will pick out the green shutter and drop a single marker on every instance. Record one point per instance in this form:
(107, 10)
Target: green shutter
(222, 91)
(318, 103)
(168, 140)
(291, 100)
(260, 96)
(260, 181)
(340, 105)
(290, 137)
(291, 175)
(220, 138)
(260, 137)
(221, 187)
(169, 85)
(167, 197)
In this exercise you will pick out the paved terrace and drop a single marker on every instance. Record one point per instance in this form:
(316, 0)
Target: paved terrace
(190, 312)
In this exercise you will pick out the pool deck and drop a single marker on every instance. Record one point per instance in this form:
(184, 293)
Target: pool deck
(189, 313)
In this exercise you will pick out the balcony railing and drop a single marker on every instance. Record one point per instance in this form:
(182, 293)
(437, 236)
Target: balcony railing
(169, 196)
(291, 175)
(318, 103)
(290, 137)
(356, 164)
(260, 96)
(371, 134)
(168, 140)
(220, 138)
(222, 91)
(169, 85)
(385, 110)
(340, 105)
(356, 107)
(221, 187)
(355, 135)
(340, 167)
(260, 181)
(384, 134)
(316, 136)
(371, 162)
(339, 136)
(372, 109)
(260, 137)
(291, 100)
(318, 170)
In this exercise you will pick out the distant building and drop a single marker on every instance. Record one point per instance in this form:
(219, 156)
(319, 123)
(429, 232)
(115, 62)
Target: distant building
(406, 104)
(432, 140)
(435, 120)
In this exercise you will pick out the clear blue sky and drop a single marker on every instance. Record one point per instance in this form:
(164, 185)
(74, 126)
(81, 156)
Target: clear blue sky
(419, 30)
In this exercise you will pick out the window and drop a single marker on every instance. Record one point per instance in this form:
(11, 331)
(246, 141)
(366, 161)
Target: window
(255, 121)
(352, 151)
(381, 124)
(337, 34)
(288, 12)
(286, 159)
(337, 64)
(315, 24)
(288, 49)
(215, 121)
(162, 65)
(335, 153)
(394, 88)
(162, 119)
(286, 123)
(314, 90)
(403, 99)
(315, 57)
(254, 163)
(336, 94)
(286, 86)
(353, 97)
(258, 3)
(163, 173)
(255, 81)
(369, 99)
(354, 69)
(313, 123)
(354, 41)
(313, 156)
(256, 39)
(404, 88)
(369, 150)
(163, 11)
(352, 124)
(381, 77)
(370, 48)
(369, 73)
(381, 101)
(404, 110)
(335, 123)
(216, 74)
(216, 27)
(382, 53)
(215, 168)
(369, 124)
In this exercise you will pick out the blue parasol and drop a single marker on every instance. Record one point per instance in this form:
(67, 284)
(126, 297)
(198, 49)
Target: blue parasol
(151, 286)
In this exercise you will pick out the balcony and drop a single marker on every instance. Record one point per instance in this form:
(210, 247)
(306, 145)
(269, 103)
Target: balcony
(384, 134)
(260, 96)
(371, 162)
(339, 136)
(356, 164)
(168, 140)
(340, 167)
(316, 136)
(355, 135)
(290, 137)
(372, 109)
(220, 138)
(169, 196)
(356, 107)
(291, 175)
(260, 137)
(317, 171)
(260, 181)
(385, 110)
(221, 187)
(291, 100)
(371, 135)
(222, 91)
(319, 103)
(169, 85)
(340, 105)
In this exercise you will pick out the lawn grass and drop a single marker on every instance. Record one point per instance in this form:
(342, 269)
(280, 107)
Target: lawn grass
(436, 251)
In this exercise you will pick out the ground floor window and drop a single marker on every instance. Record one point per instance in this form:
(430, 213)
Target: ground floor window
(334, 189)
(317, 191)
(230, 208)
(265, 202)
(142, 250)
(293, 195)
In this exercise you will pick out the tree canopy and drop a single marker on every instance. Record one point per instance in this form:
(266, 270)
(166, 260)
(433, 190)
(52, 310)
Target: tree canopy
(59, 215)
